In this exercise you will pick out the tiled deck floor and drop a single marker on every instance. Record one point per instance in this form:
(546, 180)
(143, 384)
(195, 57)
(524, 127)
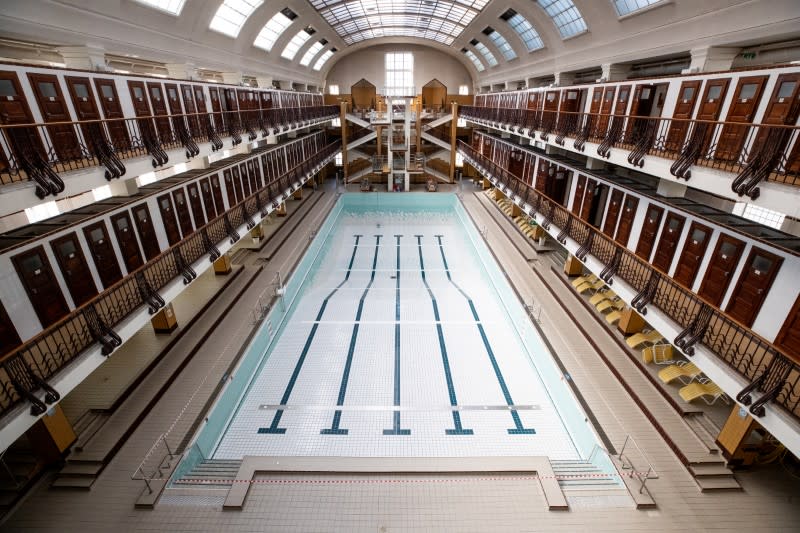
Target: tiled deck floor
(462, 503)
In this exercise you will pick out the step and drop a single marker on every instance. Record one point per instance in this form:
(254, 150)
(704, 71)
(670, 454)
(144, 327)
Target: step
(92, 426)
(709, 469)
(70, 482)
(696, 423)
(713, 484)
(81, 468)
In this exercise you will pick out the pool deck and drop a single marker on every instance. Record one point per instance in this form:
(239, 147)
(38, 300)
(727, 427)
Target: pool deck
(319, 501)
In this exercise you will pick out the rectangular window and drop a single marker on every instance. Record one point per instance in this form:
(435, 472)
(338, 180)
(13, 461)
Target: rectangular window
(463, 90)
(399, 74)
(333, 89)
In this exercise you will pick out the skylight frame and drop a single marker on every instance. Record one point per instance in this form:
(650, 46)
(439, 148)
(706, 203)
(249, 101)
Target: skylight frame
(485, 52)
(566, 17)
(232, 15)
(171, 7)
(502, 44)
(323, 59)
(273, 29)
(525, 30)
(475, 60)
(295, 44)
(624, 9)
(312, 51)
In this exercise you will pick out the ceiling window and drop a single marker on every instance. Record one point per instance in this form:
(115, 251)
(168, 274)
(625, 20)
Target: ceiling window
(399, 73)
(173, 7)
(565, 16)
(297, 43)
(524, 29)
(274, 28)
(626, 7)
(475, 61)
(232, 14)
(762, 215)
(333, 89)
(485, 52)
(312, 52)
(323, 58)
(501, 43)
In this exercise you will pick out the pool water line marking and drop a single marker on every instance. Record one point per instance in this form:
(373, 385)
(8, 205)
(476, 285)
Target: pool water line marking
(396, 415)
(337, 416)
(451, 389)
(518, 429)
(273, 427)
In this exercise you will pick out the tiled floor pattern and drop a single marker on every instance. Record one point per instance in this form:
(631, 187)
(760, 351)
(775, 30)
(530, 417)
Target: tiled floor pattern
(366, 406)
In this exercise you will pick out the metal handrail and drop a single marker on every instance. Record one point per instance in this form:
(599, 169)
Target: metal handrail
(158, 471)
(651, 471)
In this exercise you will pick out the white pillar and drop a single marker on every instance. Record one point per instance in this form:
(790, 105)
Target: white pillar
(615, 71)
(265, 82)
(563, 79)
(232, 78)
(671, 189)
(181, 71)
(711, 59)
(89, 57)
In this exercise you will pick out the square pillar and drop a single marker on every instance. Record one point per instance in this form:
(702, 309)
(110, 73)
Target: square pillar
(615, 71)
(182, 71)
(222, 266)
(711, 59)
(232, 78)
(90, 57)
(165, 320)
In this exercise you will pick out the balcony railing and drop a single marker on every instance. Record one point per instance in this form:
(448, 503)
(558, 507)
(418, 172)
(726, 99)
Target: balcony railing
(769, 371)
(755, 152)
(43, 152)
(25, 370)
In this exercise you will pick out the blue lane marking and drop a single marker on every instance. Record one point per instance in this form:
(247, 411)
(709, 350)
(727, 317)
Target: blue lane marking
(273, 427)
(518, 429)
(337, 416)
(451, 389)
(396, 428)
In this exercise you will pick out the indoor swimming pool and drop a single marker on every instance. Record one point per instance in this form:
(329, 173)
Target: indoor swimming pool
(397, 336)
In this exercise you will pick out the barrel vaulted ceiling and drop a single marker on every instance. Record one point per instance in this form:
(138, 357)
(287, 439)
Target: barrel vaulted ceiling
(302, 39)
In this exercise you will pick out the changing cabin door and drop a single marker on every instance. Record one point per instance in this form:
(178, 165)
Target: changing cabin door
(641, 105)
(788, 338)
(782, 109)
(182, 210)
(14, 110)
(103, 253)
(109, 103)
(605, 110)
(673, 227)
(647, 237)
(693, 251)
(9, 338)
(626, 219)
(229, 188)
(72, 263)
(684, 108)
(208, 199)
(612, 213)
(516, 162)
(217, 191)
(85, 106)
(580, 189)
(147, 234)
(196, 205)
(54, 109)
(742, 109)
(36, 275)
(753, 285)
(588, 198)
(169, 220)
(123, 229)
(726, 256)
(190, 109)
(158, 101)
(551, 101)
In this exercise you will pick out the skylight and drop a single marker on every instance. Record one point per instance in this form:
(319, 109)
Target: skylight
(485, 52)
(501, 43)
(297, 43)
(312, 51)
(438, 20)
(565, 16)
(475, 61)
(323, 58)
(173, 7)
(626, 7)
(524, 29)
(274, 28)
(232, 14)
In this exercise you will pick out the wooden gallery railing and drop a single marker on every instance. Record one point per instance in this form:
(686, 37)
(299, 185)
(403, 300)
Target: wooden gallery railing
(756, 152)
(769, 371)
(40, 152)
(25, 370)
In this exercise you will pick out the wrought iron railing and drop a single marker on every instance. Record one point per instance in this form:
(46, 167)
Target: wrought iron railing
(25, 371)
(755, 152)
(42, 153)
(767, 369)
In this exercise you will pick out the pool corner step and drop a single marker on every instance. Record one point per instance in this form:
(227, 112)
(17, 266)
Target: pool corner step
(210, 472)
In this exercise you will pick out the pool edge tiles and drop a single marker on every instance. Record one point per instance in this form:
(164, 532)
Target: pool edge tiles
(376, 337)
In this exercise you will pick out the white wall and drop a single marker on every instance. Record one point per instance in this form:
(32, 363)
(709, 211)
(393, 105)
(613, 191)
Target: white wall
(369, 63)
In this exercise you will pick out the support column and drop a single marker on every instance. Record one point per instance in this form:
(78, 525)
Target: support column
(281, 211)
(711, 59)
(615, 71)
(265, 82)
(90, 57)
(222, 266)
(343, 120)
(257, 233)
(165, 320)
(671, 189)
(183, 71)
(51, 435)
(233, 78)
(573, 267)
(298, 194)
(592, 163)
(453, 140)
(563, 79)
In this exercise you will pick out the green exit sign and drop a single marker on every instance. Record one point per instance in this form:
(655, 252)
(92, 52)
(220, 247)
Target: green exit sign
(748, 55)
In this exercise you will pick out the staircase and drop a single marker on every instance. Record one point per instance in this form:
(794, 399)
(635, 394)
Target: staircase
(575, 475)
(212, 472)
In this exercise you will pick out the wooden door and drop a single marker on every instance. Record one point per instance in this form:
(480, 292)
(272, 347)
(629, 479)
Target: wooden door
(147, 234)
(182, 211)
(742, 109)
(217, 191)
(14, 110)
(612, 213)
(254, 166)
(788, 338)
(541, 177)
(74, 268)
(551, 100)
(753, 285)
(158, 101)
(605, 110)
(652, 221)
(36, 275)
(626, 219)
(516, 162)
(266, 100)
(597, 100)
(53, 106)
(641, 105)
(80, 90)
(684, 109)
(782, 109)
(109, 103)
(200, 99)
(673, 227)
(173, 99)
(692, 254)
(240, 180)
(713, 96)
(208, 199)
(123, 229)
(621, 107)
(168, 219)
(588, 198)
(197, 206)
(577, 199)
(571, 100)
(103, 253)
(190, 109)
(724, 259)
(9, 338)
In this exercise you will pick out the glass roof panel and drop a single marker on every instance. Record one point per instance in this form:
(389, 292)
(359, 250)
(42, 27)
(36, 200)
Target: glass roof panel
(625, 7)
(312, 51)
(173, 7)
(475, 61)
(439, 20)
(485, 52)
(565, 16)
(502, 45)
(524, 29)
(295, 44)
(322, 59)
(272, 30)
(232, 14)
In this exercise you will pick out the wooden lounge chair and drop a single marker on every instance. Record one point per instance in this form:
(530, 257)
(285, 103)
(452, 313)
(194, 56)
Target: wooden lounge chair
(613, 317)
(685, 373)
(649, 338)
(607, 294)
(705, 389)
(591, 287)
(659, 354)
(587, 278)
(611, 305)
